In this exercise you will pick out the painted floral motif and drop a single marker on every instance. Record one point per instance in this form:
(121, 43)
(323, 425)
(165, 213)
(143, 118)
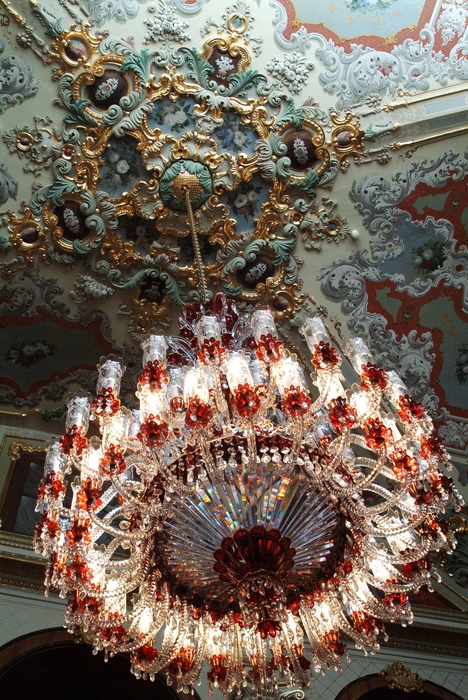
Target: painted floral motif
(28, 354)
(176, 117)
(292, 71)
(106, 89)
(461, 365)
(244, 201)
(121, 167)
(232, 136)
(363, 6)
(256, 272)
(429, 257)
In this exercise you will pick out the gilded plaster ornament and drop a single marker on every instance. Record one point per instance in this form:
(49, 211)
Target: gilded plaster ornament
(142, 131)
(398, 677)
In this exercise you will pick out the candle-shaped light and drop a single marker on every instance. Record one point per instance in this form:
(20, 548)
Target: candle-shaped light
(78, 411)
(358, 353)
(237, 371)
(196, 384)
(154, 349)
(314, 332)
(263, 324)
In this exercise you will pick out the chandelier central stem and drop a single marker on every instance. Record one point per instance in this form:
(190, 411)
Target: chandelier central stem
(196, 247)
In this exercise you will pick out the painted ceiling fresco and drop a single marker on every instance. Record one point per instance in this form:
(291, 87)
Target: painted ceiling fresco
(321, 145)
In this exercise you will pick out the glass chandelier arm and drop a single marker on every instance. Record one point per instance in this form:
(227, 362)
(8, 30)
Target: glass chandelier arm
(104, 525)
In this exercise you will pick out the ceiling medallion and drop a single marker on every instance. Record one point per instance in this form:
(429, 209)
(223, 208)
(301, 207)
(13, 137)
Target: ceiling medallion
(237, 519)
(139, 128)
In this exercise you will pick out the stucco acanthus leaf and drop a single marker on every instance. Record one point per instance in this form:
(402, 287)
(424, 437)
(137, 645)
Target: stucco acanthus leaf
(17, 82)
(8, 184)
(104, 10)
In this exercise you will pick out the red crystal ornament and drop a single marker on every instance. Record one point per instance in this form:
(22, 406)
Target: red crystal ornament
(183, 662)
(153, 432)
(403, 465)
(89, 496)
(325, 356)
(373, 377)
(246, 401)
(105, 403)
(410, 409)
(113, 461)
(269, 349)
(74, 439)
(78, 570)
(296, 402)
(377, 434)
(154, 375)
(432, 446)
(211, 351)
(249, 551)
(79, 532)
(218, 671)
(342, 416)
(52, 485)
(198, 414)
(144, 655)
(332, 640)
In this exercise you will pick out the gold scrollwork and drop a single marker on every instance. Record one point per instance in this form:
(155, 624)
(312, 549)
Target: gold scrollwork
(74, 49)
(57, 232)
(27, 235)
(398, 677)
(346, 137)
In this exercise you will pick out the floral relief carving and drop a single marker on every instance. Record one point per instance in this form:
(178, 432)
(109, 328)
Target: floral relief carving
(452, 20)
(165, 26)
(292, 71)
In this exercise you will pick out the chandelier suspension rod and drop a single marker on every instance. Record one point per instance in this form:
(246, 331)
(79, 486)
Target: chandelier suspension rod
(196, 247)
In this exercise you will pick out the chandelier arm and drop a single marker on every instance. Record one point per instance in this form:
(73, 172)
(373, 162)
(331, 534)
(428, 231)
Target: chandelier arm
(370, 530)
(128, 536)
(375, 608)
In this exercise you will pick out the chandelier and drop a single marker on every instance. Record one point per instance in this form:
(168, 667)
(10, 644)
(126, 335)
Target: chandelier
(243, 518)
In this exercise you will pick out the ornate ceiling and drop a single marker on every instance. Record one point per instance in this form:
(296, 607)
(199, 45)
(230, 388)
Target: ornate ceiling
(321, 145)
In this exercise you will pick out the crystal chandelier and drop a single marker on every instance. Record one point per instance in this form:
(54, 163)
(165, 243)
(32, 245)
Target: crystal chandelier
(240, 519)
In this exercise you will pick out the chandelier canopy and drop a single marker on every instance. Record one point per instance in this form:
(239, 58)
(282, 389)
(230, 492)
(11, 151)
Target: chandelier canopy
(243, 517)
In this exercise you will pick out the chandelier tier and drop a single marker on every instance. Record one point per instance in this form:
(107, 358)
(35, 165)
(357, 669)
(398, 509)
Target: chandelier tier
(240, 519)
